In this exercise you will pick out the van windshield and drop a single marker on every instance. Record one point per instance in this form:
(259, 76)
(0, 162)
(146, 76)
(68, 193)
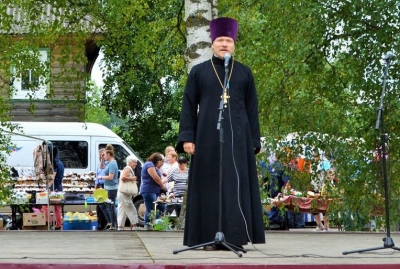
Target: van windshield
(134, 152)
(120, 154)
(73, 154)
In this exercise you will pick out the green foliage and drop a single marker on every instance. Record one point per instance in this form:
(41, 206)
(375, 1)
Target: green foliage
(94, 111)
(159, 224)
(318, 68)
(143, 48)
(6, 148)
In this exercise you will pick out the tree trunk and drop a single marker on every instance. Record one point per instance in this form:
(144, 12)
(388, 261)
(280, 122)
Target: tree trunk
(198, 15)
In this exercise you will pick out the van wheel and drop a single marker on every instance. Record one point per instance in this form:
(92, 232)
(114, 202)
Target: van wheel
(141, 210)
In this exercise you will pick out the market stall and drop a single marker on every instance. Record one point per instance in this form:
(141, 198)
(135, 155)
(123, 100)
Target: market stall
(316, 204)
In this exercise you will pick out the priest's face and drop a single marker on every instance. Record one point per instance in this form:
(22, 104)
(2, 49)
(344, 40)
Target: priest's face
(223, 45)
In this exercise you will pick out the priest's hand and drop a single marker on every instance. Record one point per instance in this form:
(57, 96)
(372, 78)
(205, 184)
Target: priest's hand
(189, 147)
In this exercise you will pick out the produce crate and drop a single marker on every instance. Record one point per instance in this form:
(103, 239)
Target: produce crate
(80, 225)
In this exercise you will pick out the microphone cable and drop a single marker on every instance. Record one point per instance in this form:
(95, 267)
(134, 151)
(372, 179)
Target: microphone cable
(238, 186)
(237, 172)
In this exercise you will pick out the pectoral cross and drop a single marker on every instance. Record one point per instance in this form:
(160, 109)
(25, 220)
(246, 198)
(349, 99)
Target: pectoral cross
(225, 97)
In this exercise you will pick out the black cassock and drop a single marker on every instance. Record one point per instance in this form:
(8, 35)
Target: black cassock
(198, 124)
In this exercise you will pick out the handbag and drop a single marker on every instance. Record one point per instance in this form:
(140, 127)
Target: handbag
(129, 187)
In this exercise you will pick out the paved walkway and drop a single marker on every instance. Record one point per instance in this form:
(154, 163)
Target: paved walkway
(149, 247)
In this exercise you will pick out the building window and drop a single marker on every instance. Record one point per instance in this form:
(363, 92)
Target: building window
(30, 74)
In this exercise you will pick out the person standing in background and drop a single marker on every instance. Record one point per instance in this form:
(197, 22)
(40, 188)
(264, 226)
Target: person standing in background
(56, 185)
(179, 178)
(99, 184)
(242, 219)
(295, 219)
(126, 208)
(170, 163)
(277, 180)
(152, 185)
(166, 170)
(111, 186)
(323, 165)
(168, 149)
(166, 164)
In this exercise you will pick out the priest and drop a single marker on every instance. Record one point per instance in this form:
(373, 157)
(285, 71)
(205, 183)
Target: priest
(209, 109)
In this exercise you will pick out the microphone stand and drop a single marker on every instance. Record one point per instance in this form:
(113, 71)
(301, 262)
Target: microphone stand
(387, 241)
(219, 239)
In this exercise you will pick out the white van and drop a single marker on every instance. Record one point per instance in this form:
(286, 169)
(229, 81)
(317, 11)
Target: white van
(78, 144)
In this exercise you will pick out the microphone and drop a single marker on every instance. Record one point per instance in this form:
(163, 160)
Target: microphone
(388, 56)
(227, 57)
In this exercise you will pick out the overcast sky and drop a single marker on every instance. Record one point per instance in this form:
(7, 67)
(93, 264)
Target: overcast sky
(96, 73)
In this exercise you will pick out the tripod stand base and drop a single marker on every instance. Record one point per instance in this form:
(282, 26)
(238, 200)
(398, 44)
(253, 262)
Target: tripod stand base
(388, 243)
(219, 240)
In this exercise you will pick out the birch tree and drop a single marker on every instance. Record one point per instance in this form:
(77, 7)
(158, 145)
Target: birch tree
(198, 15)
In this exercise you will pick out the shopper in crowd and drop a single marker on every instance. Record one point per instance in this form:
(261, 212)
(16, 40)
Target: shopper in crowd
(166, 164)
(276, 180)
(126, 208)
(170, 164)
(56, 185)
(170, 160)
(179, 178)
(99, 184)
(205, 98)
(152, 185)
(111, 186)
(168, 149)
(323, 165)
(296, 219)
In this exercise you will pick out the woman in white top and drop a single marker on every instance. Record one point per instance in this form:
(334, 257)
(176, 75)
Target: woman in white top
(126, 208)
(169, 165)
